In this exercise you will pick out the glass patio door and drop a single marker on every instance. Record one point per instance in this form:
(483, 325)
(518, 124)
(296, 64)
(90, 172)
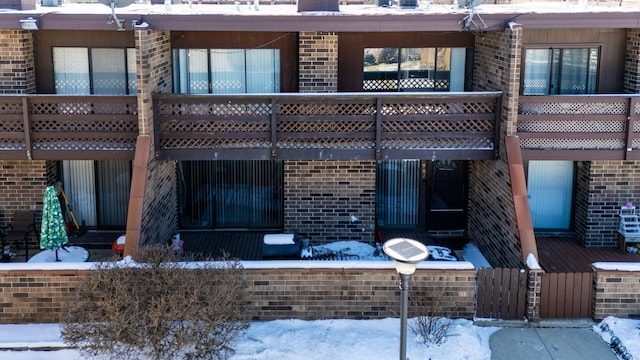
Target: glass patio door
(550, 188)
(398, 193)
(245, 194)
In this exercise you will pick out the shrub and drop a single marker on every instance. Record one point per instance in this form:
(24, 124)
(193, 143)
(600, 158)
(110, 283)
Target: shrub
(159, 308)
(433, 316)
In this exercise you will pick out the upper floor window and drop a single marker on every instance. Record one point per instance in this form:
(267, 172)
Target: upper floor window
(414, 69)
(558, 71)
(100, 71)
(226, 71)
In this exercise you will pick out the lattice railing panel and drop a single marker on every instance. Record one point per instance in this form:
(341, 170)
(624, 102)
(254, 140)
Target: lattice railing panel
(84, 144)
(217, 143)
(12, 144)
(577, 108)
(217, 126)
(438, 143)
(11, 125)
(10, 108)
(326, 143)
(85, 126)
(83, 108)
(326, 109)
(610, 126)
(573, 144)
(438, 125)
(326, 126)
(439, 108)
(214, 109)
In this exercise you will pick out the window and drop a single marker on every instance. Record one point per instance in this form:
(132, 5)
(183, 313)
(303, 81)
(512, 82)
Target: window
(560, 71)
(100, 71)
(226, 71)
(414, 69)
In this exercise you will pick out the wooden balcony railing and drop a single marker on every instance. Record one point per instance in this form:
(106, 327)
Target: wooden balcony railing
(67, 127)
(583, 127)
(327, 126)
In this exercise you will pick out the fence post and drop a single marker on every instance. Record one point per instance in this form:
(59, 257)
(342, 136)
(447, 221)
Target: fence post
(534, 281)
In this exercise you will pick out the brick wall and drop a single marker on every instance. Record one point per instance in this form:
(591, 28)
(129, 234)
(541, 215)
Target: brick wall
(318, 62)
(632, 62)
(611, 185)
(17, 69)
(38, 296)
(321, 196)
(160, 219)
(22, 185)
(617, 293)
(491, 214)
(581, 200)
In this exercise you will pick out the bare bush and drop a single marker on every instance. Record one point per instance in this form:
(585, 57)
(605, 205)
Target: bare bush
(433, 316)
(159, 309)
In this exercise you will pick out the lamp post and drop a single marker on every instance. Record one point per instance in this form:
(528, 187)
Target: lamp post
(406, 254)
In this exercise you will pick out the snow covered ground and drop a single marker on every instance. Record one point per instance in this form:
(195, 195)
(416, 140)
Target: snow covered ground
(324, 339)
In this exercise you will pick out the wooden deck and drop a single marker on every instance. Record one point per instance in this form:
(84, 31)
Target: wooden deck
(564, 254)
(556, 253)
(243, 245)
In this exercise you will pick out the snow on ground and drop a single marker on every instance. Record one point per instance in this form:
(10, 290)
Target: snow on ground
(626, 330)
(325, 339)
(294, 340)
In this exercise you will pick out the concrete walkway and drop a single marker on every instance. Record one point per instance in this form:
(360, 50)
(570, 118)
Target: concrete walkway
(544, 343)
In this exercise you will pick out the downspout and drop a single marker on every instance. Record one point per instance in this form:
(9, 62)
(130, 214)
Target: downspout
(520, 198)
(136, 196)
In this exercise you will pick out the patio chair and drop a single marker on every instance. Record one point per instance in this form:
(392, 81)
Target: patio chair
(20, 229)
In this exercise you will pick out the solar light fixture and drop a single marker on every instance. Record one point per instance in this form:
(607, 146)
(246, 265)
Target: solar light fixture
(406, 255)
(29, 24)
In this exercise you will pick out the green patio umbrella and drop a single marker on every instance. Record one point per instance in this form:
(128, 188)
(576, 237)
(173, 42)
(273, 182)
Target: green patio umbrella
(53, 233)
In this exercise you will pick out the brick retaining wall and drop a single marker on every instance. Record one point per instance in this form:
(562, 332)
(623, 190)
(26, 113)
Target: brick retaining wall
(616, 292)
(28, 296)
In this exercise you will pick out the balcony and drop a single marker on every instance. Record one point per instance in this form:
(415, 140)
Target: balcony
(583, 127)
(63, 127)
(335, 126)
(327, 126)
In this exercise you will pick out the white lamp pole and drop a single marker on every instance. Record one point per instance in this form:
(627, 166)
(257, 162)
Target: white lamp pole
(406, 254)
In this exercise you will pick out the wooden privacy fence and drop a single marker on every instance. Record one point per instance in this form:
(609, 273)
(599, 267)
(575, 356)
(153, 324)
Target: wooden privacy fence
(566, 295)
(501, 294)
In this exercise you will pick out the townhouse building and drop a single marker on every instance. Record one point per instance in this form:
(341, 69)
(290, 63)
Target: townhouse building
(491, 121)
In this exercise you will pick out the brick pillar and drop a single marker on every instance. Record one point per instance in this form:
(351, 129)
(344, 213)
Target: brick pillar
(321, 196)
(609, 185)
(22, 183)
(152, 205)
(318, 62)
(17, 69)
(534, 286)
(492, 221)
(632, 62)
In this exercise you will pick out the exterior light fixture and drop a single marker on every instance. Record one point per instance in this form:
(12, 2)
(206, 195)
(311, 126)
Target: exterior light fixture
(406, 254)
(29, 24)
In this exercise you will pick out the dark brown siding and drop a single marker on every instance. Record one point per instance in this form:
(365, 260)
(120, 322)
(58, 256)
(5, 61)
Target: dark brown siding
(351, 49)
(46, 40)
(286, 42)
(611, 41)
